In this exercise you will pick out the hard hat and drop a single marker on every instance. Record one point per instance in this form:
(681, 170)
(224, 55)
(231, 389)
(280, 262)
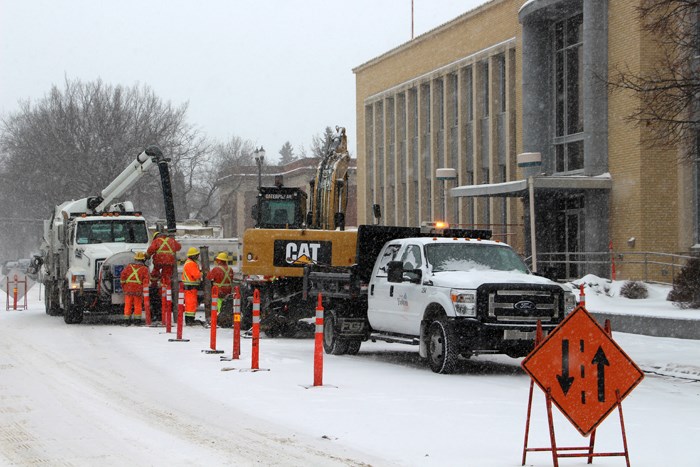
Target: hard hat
(140, 256)
(223, 256)
(156, 233)
(193, 251)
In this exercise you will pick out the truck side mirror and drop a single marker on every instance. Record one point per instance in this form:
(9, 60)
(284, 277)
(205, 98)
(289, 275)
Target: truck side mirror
(395, 271)
(415, 276)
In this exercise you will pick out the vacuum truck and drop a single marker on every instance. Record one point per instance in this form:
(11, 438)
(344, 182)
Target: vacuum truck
(88, 241)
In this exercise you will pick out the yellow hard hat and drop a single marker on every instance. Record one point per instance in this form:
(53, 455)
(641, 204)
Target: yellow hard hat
(156, 233)
(140, 256)
(193, 251)
(223, 256)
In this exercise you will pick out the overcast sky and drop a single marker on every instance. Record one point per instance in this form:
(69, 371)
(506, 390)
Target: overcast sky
(268, 71)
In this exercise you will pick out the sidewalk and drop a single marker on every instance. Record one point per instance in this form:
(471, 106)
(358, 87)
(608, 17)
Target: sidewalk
(652, 316)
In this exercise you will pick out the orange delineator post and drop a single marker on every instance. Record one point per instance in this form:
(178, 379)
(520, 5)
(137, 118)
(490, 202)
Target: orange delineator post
(318, 353)
(180, 310)
(256, 331)
(236, 324)
(14, 294)
(180, 315)
(166, 309)
(582, 296)
(214, 319)
(147, 304)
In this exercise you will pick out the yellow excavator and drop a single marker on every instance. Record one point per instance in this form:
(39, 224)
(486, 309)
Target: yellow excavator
(287, 236)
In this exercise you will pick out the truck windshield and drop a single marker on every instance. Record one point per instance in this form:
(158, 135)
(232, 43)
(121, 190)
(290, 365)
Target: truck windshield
(111, 231)
(470, 256)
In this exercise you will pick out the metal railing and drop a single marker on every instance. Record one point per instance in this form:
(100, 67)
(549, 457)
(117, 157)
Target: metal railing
(646, 266)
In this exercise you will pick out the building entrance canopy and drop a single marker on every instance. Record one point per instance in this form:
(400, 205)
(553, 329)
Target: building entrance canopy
(519, 188)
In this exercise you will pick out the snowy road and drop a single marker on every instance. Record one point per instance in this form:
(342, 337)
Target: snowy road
(94, 394)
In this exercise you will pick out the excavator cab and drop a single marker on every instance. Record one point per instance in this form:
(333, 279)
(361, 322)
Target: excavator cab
(280, 207)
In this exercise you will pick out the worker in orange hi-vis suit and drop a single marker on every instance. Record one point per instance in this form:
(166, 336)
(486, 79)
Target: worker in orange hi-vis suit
(191, 278)
(133, 278)
(163, 250)
(221, 275)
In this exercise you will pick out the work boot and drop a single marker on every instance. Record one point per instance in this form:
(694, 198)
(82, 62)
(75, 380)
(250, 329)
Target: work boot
(189, 320)
(127, 321)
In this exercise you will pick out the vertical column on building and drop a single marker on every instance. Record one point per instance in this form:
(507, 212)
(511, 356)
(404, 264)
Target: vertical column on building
(461, 145)
(436, 131)
(370, 164)
(468, 138)
(595, 115)
(388, 140)
(400, 157)
(512, 205)
(449, 143)
(423, 153)
(379, 157)
(412, 147)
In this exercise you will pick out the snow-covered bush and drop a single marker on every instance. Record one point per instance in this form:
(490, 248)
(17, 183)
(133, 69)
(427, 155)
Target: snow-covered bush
(686, 287)
(634, 290)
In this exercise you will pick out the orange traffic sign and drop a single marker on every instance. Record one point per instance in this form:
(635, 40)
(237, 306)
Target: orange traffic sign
(583, 370)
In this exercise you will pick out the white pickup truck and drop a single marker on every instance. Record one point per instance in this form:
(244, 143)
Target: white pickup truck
(453, 293)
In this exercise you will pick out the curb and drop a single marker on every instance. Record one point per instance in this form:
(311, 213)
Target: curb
(651, 326)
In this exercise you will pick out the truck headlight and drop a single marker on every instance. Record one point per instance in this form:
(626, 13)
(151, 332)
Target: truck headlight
(464, 302)
(569, 302)
(76, 280)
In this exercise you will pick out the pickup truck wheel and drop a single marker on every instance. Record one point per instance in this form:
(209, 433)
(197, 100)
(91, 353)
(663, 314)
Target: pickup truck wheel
(354, 347)
(332, 344)
(442, 352)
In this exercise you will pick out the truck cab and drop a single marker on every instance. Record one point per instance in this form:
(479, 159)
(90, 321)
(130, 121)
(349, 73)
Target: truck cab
(480, 289)
(280, 207)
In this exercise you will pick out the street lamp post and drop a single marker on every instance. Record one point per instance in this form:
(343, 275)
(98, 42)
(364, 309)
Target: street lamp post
(445, 174)
(259, 159)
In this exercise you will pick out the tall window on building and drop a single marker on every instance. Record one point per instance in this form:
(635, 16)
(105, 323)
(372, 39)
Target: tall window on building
(468, 93)
(501, 61)
(485, 88)
(568, 78)
(439, 94)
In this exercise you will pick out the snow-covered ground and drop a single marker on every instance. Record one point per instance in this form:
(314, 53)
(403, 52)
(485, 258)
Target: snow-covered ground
(95, 394)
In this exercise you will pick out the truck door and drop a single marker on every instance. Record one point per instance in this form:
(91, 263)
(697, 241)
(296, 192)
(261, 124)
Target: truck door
(380, 298)
(409, 296)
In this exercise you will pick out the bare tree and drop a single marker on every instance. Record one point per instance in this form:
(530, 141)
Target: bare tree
(321, 143)
(217, 170)
(668, 91)
(74, 141)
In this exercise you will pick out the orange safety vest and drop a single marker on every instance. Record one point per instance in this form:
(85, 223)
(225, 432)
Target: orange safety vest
(165, 248)
(133, 277)
(226, 280)
(191, 274)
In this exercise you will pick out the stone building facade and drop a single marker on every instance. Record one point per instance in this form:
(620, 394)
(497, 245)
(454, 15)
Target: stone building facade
(511, 77)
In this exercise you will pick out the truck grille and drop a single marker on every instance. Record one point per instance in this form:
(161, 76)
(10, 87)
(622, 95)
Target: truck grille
(517, 303)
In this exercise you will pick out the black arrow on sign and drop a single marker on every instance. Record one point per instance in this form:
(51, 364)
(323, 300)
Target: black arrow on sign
(601, 360)
(565, 381)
